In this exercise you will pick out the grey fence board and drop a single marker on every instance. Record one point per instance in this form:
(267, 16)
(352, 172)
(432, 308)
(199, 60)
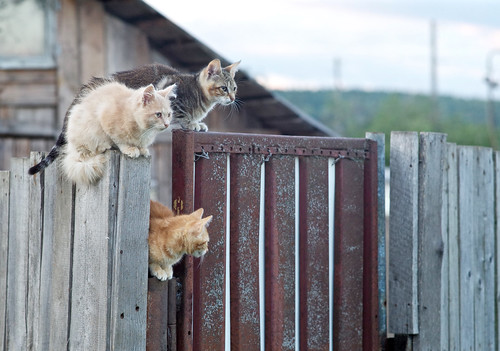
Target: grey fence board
(430, 244)
(497, 233)
(55, 280)
(403, 306)
(466, 236)
(17, 269)
(4, 236)
(130, 252)
(453, 249)
(34, 252)
(93, 236)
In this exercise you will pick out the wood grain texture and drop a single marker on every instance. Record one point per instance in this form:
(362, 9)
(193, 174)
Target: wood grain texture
(403, 246)
(4, 248)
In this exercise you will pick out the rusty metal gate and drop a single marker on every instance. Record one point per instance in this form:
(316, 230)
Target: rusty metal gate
(292, 261)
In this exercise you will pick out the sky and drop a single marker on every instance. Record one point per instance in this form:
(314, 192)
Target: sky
(352, 44)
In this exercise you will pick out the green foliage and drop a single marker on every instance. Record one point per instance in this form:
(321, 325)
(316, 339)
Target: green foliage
(352, 113)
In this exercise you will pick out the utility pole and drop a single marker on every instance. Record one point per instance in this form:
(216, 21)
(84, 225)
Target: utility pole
(491, 84)
(434, 93)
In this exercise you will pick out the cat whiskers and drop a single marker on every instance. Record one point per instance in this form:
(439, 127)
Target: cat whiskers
(234, 108)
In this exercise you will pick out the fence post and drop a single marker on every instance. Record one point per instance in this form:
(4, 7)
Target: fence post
(4, 235)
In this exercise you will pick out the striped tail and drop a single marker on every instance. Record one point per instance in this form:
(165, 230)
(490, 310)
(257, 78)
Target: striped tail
(53, 154)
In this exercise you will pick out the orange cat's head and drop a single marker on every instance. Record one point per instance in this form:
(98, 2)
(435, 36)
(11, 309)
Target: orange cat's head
(218, 83)
(196, 233)
(156, 111)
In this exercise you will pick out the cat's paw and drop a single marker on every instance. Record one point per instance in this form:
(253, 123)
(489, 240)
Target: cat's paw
(198, 126)
(160, 273)
(130, 151)
(144, 151)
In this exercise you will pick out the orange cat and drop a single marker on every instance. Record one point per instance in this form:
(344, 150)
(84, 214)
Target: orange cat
(170, 237)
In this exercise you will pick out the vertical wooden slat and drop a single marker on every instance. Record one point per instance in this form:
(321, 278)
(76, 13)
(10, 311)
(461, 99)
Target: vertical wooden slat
(371, 338)
(381, 257)
(280, 253)
(244, 251)
(182, 198)
(17, 268)
(314, 256)
(485, 239)
(4, 248)
(348, 257)
(130, 256)
(466, 245)
(92, 258)
(453, 251)
(157, 318)
(34, 252)
(430, 246)
(210, 273)
(445, 277)
(403, 245)
(497, 246)
(55, 279)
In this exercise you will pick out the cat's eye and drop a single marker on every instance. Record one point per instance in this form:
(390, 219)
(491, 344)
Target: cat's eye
(159, 114)
(224, 89)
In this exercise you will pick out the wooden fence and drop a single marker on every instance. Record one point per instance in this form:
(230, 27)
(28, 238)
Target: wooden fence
(444, 251)
(73, 260)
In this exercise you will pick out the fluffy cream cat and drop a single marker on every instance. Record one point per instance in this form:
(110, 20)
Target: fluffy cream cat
(170, 237)
(112, 115)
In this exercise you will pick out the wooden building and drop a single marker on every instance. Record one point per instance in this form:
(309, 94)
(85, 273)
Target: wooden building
(49, 48)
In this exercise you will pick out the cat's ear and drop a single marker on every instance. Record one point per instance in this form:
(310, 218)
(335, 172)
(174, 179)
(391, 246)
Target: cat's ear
(148, 94)
(198, 213)
(169, 91)
(213, 68)
(232, 69)
(206, 221)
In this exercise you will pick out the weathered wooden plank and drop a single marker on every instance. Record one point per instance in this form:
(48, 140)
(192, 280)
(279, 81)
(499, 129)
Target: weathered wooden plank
(314, 255)
(381, 257)
(445, 275)
(244, 249)
(130, 256)
(485, 243)
(28, 95)
(4, 248)
(348, 255)
(466, 230)
(35, 227)
(16, 332)
(280, 253)
(497, 233)
(55, 275)
(403, 245)
(430, 244)
(209, 288)
(94, 229)
(453, 298)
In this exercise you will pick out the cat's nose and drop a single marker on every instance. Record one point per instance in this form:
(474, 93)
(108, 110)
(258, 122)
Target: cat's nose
(232, 97)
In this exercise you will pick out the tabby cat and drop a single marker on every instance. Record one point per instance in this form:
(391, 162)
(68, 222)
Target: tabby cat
(197, 94)
(170, 237)
(112, 115)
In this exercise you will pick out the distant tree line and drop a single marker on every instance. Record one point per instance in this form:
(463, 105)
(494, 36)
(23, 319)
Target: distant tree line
(352, 113)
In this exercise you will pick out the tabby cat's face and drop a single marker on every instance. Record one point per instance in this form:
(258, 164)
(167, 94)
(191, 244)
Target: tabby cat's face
(218, 83)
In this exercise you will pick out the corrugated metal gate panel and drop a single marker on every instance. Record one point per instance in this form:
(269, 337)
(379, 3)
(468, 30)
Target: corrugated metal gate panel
(280, 252)
(262, 224)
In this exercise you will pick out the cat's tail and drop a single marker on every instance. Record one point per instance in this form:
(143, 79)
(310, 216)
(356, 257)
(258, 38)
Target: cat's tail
(83, 170)
(53, 154)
